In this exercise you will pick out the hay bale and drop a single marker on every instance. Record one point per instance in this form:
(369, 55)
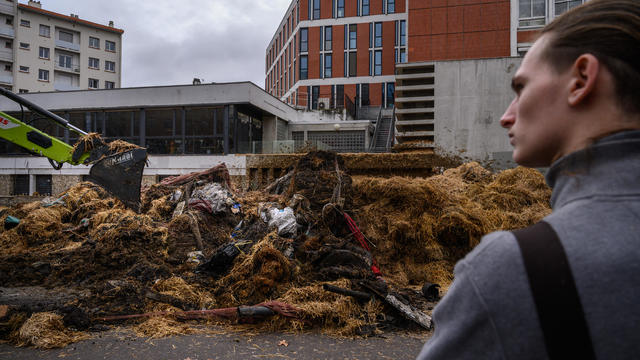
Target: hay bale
(191, 294)
(46, 331)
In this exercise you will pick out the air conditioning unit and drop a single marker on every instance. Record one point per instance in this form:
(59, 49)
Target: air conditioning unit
(323, 103)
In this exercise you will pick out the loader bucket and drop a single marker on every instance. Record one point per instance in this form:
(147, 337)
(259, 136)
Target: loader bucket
(121, 175)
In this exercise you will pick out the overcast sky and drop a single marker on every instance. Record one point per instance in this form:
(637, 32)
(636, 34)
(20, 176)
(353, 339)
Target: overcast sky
(168, 42)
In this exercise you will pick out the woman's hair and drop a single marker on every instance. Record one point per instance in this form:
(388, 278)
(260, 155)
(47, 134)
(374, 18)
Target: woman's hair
(610, 31)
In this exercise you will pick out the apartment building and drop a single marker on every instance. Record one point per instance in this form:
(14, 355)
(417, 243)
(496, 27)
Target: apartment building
(48, 51)
(328, 53)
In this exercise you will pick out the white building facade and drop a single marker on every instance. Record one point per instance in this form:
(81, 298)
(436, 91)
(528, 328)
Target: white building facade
(42, 50)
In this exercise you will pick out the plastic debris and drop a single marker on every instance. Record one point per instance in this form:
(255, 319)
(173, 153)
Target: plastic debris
(283, 219)
(213, 198)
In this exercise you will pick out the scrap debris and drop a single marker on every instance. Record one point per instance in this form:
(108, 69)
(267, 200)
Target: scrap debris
(317, 248)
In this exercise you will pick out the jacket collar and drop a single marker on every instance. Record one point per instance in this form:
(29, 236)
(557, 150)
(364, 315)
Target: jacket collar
(610, 167)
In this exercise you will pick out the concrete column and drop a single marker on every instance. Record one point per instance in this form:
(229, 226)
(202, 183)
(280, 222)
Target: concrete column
(87, 122)
(183, 130)
(225, 128)
(32, 184)
(143, 126)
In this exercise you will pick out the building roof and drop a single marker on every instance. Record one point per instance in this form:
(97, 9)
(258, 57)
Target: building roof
(70, 18)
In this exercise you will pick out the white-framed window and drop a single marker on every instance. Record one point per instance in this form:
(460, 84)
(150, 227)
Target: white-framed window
(94, 63)
(109, 85)
(93, 83)
(389, 6)
(65, 36)
(110, 45)
(64, 61)
(375, 49)
(109, 66)
(350, 50)
(338, 8)
(24, 45)
(562, 6)
(43, 75)
(326, 46)
(401, 41)
(24, 69)
(45, 30)
(94, 42)
(44, 53)
(531, 13)
(25, 23)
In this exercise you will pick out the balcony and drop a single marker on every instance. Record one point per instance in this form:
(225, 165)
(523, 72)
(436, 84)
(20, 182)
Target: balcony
(67, 67)
(7, 8)
(6, 79)
(67, 45)
(6, 54)
(64, 87)
(7, 32)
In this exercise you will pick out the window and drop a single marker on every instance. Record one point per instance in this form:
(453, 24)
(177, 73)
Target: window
(377, 66)
(23, 91)
(327, 39)
(303, 67)
(65, 36)
(365, 8)
(110, 66)
(24, 69)
(350, 39)
(25, 23)
(8, 21)
(109, 85)
(7, 67)
(109, 45)
(93, 83)
(8, 44)
(94, 63)
(64, 61)
(340, 8)
(45, 30)
(531, 13)
(364, 95)
(20, 185)
(327, 65)
(316, 9)
(94, 42)
(44, 53)
(388, 94)
(391, 6)
(304, 40)
(401, 41)
(562, 6)
(315, 94)
(24, 46)
(375, 39)
(43, 75)
(43, 184)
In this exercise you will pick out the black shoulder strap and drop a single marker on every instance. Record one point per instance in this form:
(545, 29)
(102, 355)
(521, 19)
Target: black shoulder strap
(554, 292)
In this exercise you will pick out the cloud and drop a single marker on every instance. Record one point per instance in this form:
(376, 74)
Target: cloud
(169, 42)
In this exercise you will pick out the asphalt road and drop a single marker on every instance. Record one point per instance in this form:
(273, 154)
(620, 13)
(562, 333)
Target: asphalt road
(115, 345)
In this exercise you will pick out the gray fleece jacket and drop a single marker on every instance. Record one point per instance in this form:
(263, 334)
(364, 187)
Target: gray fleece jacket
(489, 312)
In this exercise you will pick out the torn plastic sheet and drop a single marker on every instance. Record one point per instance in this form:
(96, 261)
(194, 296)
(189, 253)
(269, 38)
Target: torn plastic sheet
(213, 198)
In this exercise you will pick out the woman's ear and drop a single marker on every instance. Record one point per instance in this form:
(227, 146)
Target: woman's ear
(584, 73)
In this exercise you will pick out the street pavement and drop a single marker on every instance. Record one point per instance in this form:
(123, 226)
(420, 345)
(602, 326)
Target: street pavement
(117, 345)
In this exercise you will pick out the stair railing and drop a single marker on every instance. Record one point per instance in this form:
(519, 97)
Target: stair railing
(372, 143)
(392, 128)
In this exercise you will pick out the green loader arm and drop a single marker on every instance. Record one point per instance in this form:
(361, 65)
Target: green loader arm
(36, 141)
(120, 173)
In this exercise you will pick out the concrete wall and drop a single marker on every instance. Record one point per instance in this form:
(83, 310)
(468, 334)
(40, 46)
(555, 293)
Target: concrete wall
(470, 98)
(62, 183)
(6, 185)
